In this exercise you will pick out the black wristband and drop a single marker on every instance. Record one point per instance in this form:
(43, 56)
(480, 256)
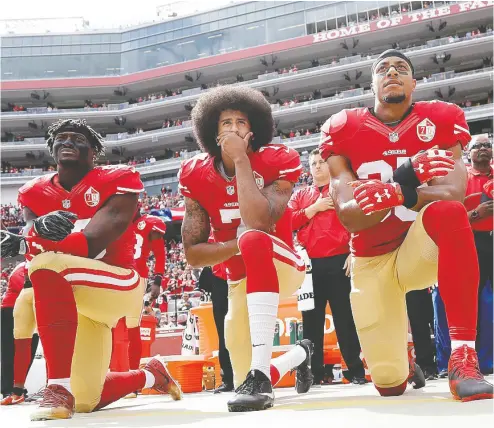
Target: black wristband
(410, 196)
(404, 175)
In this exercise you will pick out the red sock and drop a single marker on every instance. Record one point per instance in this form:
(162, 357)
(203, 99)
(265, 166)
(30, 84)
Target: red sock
(446, 222)
(393, 391)
(119, 361)
(119, 384)
(275, 375)
(257, 250)
(135, 347)
(22, 358)
(56, 316)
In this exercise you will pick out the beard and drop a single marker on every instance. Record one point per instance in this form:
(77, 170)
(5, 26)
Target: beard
(394, 98)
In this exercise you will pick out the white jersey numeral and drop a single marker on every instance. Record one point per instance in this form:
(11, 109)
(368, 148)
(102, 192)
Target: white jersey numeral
(138, 246)
(385, 170)
(230, 214)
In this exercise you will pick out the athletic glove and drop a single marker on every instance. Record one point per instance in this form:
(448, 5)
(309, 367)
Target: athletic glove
(488, 188)
(12, 244)
(374, 195)
(424, 167)
(55, 226)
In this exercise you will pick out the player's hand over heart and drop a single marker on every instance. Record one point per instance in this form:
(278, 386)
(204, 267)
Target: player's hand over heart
(374, 195)
(488, 188)
(431, 164)
(233, 145)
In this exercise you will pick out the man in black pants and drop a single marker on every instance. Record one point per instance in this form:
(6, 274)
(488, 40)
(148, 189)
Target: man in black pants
(15, 286)
(214, 281)
(479, 204)
(421, 316)
(327, 244)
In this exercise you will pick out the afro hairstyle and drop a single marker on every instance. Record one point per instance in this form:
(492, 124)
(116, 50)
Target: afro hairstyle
(75, 125)
(206, 114)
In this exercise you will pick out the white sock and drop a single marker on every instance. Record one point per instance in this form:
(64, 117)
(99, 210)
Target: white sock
(455, 344)
(289, 360)
(150, 379)
(63, 382)
(263, 308)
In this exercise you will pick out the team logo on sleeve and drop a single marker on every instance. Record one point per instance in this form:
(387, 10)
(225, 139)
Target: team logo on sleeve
(91, 197)
(141, 225)
(426, 130)
(259, 180)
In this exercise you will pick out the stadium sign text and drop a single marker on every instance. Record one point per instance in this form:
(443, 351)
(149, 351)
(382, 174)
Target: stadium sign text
(398, 20)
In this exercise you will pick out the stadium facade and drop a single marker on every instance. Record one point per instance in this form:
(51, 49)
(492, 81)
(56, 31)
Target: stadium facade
(318, 53)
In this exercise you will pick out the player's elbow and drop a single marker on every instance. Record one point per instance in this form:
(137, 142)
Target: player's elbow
(192, 259)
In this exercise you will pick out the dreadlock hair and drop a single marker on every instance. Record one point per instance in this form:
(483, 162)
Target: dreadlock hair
(75, 125)
(206, 114)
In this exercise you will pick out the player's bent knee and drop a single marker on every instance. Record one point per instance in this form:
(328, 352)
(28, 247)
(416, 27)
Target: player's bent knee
(253, 240)
(443, 217)
(389, 375)
(48, 261)
(393, 391)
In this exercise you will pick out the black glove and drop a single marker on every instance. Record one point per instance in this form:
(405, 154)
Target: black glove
(55, 226)
(11, 244)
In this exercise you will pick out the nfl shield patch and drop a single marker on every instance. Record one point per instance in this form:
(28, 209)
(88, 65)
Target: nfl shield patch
(91, 197)
(66, 204)
(426, 130)
(394, 137)
(230, 190)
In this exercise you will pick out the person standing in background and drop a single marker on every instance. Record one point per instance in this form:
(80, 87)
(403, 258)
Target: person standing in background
(479, 204)
(327, 244)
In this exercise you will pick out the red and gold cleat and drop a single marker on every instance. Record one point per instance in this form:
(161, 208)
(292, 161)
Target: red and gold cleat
(466, 383)
(12, 399)
(57, 403)
(164, 382)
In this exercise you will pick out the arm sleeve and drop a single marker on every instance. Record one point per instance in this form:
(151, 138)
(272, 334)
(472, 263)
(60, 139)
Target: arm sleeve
(290, 166)
(329, 144)
(158, 249)
(299, 218)
(458, 131)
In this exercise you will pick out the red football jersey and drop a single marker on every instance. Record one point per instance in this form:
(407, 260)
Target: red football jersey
(375, 150)
(143, 226)
(14, 286)
(44, 194)
(200, 180)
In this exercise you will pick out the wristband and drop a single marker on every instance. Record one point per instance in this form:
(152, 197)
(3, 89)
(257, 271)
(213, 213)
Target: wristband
(405, 175)
(410, 196)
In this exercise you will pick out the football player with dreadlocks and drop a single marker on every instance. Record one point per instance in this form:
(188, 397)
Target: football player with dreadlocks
(82, 272)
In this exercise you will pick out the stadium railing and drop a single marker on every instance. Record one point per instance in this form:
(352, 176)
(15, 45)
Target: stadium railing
(431, 44)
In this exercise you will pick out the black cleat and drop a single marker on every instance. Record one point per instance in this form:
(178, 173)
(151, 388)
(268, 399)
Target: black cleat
(303, 374)
(430, 373)
(466, 383)
(256, 393)
(358, 380)
(416, 376)
(224, 387)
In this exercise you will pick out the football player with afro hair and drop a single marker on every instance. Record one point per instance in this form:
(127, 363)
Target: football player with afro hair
(239, 189)
(207, 111)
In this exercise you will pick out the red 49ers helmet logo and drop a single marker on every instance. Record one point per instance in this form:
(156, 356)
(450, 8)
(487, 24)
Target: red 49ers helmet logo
(426, 130)
(91, 197)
